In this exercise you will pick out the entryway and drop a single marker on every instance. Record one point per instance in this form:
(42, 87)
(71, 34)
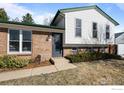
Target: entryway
(62, 63)
(56, 45)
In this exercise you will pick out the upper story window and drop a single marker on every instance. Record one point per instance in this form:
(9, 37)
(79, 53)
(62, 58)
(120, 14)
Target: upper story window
(95, 28)
(107, 31)
(19, 41)
(78, 28)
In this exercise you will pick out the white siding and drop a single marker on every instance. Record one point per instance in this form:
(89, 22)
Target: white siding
(120, 39)
(87, 17)
(121, 50)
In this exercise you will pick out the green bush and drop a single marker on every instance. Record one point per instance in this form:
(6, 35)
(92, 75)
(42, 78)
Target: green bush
(90, 56)
(13, 62)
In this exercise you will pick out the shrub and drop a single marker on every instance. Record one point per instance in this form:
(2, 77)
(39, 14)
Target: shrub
(13, 62)
(90, 56)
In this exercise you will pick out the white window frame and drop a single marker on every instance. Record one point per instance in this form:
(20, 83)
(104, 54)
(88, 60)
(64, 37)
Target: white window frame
(93, 30)
(107, 31)
(78, 27)
(20, 43)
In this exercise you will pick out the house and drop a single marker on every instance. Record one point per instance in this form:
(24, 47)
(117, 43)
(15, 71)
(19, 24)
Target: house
(72, 29)
(119, 40)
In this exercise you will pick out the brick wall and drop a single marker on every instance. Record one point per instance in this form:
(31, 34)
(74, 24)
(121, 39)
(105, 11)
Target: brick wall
(41, 45)
(68, 51)
(3, 41)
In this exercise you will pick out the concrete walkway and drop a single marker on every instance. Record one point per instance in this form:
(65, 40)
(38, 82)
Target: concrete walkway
(63, 64)
(26, 72)
(60, 64)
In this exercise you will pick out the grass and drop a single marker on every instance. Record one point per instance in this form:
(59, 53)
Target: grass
(107, 72)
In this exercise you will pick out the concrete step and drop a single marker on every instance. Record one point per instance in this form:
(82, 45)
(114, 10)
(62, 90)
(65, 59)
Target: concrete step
(62, 64)
(61, 59)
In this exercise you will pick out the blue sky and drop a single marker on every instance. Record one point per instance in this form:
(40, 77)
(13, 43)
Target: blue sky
(40, 11)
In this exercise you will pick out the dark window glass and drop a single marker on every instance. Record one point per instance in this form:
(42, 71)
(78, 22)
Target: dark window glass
(14, 35)
(13, 46)
(78, 27)
(94, 30)
(26, 42)
(26, 46)
(14, 41)
(26, 35)
(107, 31)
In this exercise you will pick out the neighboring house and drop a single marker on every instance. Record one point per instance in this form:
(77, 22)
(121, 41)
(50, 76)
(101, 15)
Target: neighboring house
(119, 40)
(81, 28)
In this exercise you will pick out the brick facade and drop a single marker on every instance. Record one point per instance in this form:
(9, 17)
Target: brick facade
(68, 51)
(41, 45)
(3, 41)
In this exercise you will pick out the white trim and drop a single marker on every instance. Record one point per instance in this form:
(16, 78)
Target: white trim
(20, 39)
(96, 30)
(20, 43)
(8, 42)
(78, 27)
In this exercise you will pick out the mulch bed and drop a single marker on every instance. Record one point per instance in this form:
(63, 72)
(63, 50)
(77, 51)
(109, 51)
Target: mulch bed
(29, 66)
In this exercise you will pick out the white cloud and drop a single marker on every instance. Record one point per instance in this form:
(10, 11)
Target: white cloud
(40, 19)
(15, 10)
(121, 6)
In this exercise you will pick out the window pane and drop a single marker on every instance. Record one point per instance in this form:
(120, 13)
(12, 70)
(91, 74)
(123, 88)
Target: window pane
(107, 28)
(26, 46)
(107, 35)
(26, 35)
(14, 35)
(13, 46)
(94, 30)
(107, 31)
(94, 34)
(78, 32)
(78, 23)
(78, 27)
(94, 26)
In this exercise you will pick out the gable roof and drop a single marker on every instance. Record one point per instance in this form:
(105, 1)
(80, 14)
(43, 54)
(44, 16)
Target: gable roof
(118, 34)
(32, 25)
(61, 11)
(119, 38)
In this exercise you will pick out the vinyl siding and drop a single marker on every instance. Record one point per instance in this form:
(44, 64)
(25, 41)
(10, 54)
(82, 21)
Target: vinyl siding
(87, 17)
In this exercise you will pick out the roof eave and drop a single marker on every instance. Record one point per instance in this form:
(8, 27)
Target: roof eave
(86, 8)
(33, 25)
(58, 12)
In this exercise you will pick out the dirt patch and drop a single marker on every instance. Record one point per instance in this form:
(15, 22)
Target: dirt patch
(102, 72)
(30, 65)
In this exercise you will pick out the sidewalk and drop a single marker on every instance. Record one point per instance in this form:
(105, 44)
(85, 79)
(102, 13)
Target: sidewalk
(36, 71)
(26, 72)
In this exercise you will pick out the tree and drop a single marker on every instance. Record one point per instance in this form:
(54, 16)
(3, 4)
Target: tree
(3, 15)
(16, 19)
(27, 18)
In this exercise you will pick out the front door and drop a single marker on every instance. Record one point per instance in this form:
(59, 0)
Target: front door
(57, 45)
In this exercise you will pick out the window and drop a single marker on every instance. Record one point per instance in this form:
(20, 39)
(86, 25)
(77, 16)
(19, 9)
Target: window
(19, 41)
(74, 50)
(14, 41)
(26, 42)
(78, 28)
(94, 30)
(107, 31)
